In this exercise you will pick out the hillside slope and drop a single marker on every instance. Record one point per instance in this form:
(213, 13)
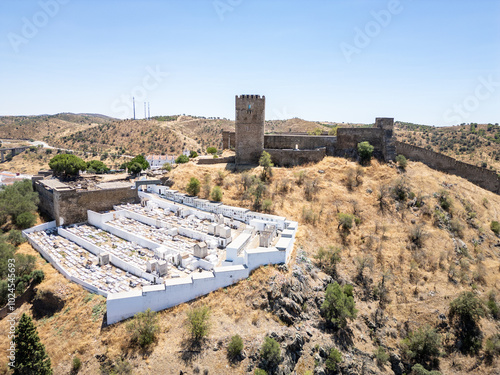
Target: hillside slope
(459, 252)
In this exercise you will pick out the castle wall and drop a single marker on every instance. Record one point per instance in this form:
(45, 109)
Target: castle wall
(348, 139)
(290, 158)
(303, 142)
(46, 204)
(250, 116)
(71, 206)
(482, 177)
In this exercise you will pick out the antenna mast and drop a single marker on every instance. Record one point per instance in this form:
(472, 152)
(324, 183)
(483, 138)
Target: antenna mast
(133, 104)
(149, 112)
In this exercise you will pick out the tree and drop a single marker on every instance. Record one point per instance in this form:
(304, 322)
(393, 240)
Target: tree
(235, 346)
(338, 305)
(141, 160)
(266, 163)
(15, 237)
(334, 358)
(97, 166)
(31, 357)
(134, 168)
(25, 220)
(193, 188)
(198, 322)
(465, 312)
(365, 150)
(182, 159)
(418, 369)
(193, 154)
(270, 353)
(144, 328)
(345, 221)
(422, 346)
(211, 150)
(216, 194)
(17, 199)
(67, 165)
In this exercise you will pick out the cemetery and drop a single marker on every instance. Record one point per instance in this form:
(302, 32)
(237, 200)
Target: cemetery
(167, 249)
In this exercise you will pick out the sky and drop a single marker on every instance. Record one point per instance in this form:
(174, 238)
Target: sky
(434, 62)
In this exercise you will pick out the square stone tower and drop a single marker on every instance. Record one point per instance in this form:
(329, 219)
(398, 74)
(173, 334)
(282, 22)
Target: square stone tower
(250, 117)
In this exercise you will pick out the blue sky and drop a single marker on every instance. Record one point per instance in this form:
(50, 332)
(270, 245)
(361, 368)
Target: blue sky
(433, 62)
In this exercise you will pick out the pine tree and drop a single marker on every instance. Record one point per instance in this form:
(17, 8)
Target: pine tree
(31, 357)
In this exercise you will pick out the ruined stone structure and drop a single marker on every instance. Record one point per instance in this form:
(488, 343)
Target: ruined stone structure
(67, 205)
(249, 135)
(294, 149)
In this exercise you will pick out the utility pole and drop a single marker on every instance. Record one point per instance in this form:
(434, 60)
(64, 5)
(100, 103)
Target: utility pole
(133, 104)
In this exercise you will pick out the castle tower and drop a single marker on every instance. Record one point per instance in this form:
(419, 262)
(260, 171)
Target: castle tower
(389, 146)
(250, 116)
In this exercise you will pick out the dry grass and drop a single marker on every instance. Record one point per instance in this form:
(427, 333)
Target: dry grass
(382, 235)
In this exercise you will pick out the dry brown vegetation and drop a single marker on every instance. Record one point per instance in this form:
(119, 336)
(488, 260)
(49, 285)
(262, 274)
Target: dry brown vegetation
(421, 277)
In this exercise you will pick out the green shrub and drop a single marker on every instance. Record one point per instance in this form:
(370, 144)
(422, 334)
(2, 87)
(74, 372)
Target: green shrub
(422, 346)
(444, 200)
(465, 312)
(381, 356)
(15, 237)
(345, 221)
(267, 165)
(492, 305)
(492, 346)
(211, 150)
(144, 328)
(402, 162)
(334, 358)
(96, 166)
(338, 305)
(365, 151)
(198, 322)
(495, 227)
(193, 188)
(37, 276)
(193, 154)
(259, 371)
(77, 364)
(418, 369)
(182, 159)
(25, 220)
(235, 346)
(167, 167)
(216, 194)
(270, 353)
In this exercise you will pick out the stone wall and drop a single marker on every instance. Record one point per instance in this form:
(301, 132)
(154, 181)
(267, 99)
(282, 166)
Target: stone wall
(227, 159)
(71, 206)
(485, 178)
(302, 142)
(348, 139)
(290, 158)
(46, 204)
(250, 115)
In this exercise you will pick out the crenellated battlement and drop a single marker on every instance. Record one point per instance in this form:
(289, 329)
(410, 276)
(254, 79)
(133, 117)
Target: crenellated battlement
(251, 97)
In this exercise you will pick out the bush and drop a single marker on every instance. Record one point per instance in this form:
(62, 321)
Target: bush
(492, 346)
(144, 328)
(345, 221)
(216, 194)
(193, 188)
(193, 154)
(465, 312)
(328, 259)
(182, 159)
(235, 346)
(37, 276)
(417, 236)
(77, 364)
(495, 227)
(493, 305)
(267, 205)
(267, 165)
(334, 358)
(17, 199)
(15, 237)
(418, 369)
(422, 346)
(270, 353)
(402, 162)
(338, 305)
(25, 220)
(167, 167)
(96, 166)
(381, 356)
(198, 322)
(365, 151)
(259, 371)
(444, 200)
(211, 150)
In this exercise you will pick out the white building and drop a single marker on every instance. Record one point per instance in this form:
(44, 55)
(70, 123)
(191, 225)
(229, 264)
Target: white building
(157, 161)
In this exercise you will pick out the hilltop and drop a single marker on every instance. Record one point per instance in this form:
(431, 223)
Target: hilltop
(399, 285)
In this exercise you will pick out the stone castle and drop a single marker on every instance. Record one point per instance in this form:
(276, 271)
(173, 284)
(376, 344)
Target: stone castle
(249, 139)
